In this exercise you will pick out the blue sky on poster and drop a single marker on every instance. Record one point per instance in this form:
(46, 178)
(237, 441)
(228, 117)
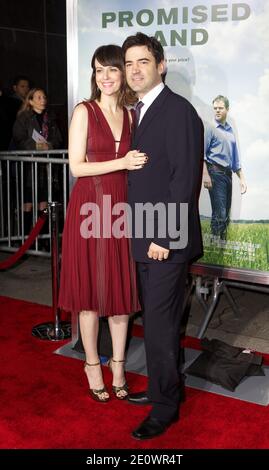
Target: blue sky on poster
(233, 62)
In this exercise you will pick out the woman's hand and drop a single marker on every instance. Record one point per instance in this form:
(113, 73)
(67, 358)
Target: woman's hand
(42, 146)
(134, 160)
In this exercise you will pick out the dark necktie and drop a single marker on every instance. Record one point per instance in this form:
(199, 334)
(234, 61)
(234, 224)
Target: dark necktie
(138, 108)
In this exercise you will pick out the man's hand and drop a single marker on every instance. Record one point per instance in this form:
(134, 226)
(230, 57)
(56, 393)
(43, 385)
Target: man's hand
(243, 186)
(207, 181)
(206, 178)
(157, 252)
(242, 181)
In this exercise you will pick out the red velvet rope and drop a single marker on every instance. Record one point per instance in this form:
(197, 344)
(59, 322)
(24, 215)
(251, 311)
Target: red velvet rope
(33, 234)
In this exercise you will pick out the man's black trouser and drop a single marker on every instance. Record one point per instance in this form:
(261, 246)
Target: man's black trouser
(162, 287)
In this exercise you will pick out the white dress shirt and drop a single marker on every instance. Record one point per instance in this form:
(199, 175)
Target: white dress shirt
(149, 98)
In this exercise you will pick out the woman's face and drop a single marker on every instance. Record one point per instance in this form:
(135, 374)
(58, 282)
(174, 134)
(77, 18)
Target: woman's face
(39, 101)
(108, 78)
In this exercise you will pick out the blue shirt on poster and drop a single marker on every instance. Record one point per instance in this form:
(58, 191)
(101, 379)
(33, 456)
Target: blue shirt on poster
(220, 146)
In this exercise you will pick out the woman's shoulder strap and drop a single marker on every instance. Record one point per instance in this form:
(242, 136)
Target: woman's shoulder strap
(91, 108)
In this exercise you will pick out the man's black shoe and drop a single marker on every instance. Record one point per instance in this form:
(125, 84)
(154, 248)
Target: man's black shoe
(139, 398)
(151, 427)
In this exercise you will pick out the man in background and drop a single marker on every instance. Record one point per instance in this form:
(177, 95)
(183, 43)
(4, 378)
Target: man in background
(21, 87)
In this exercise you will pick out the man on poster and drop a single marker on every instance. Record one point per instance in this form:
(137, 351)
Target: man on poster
(221, 160)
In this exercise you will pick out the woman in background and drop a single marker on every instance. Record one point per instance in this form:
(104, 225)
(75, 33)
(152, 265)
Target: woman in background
(33, 120)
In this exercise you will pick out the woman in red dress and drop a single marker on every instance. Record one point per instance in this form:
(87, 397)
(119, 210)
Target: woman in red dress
(98, 274)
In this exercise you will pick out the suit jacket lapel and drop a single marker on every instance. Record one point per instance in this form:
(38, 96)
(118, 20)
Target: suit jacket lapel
(151, 112)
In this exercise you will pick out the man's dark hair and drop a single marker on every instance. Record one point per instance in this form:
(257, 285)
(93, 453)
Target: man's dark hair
(222, 98)
(141, 39)
(19, 78)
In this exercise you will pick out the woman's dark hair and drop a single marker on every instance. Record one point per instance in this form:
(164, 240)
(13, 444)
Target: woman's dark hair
(111, 55)
(140, 39)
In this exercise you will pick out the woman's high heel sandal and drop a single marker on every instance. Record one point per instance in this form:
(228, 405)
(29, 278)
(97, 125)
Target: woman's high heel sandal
(118, 390)
(95, 394)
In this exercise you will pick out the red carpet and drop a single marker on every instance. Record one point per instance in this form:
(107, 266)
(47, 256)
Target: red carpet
(44, 402)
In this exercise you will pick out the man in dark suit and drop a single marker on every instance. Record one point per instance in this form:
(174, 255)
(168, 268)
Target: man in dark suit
(170, 132)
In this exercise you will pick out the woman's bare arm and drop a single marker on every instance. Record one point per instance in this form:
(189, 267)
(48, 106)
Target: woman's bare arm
(78, 134)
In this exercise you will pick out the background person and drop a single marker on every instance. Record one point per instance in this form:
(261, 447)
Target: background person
(34, 116)
(20, 90)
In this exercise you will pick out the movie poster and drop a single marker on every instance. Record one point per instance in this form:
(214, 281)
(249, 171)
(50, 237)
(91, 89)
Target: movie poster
(212, 48)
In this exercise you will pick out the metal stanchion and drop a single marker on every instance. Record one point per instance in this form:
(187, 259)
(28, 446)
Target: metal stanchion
(59, 329)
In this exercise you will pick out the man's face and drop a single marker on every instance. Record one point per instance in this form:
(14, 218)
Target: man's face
(22, 88)
(220, 111)
(142, 72)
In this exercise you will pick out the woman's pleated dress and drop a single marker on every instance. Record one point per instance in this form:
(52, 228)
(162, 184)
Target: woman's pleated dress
(98, 272)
